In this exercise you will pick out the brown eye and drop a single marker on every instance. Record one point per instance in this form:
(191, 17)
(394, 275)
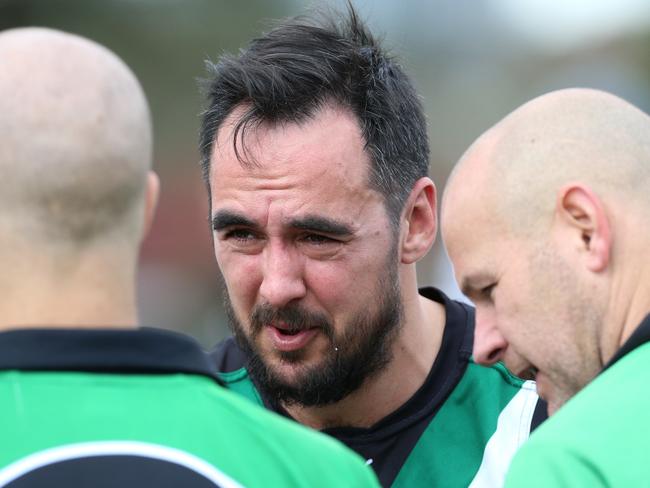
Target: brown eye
(318, 239)
(240, 235)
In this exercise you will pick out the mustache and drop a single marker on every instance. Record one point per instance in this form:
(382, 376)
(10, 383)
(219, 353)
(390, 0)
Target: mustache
(297, 318)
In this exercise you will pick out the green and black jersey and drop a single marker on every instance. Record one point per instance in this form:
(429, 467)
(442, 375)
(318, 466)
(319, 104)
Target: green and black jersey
(143, 408)
(460, 429)
(601, 437)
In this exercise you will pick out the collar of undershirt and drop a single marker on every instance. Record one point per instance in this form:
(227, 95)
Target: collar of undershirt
(448, 367)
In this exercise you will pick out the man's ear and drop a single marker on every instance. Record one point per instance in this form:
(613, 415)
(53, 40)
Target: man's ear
(581, 215)
(152, 191)
(420, 224)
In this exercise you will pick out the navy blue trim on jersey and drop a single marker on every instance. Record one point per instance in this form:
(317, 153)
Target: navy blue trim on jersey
(123, 351)
(112, 471)
(228, 357)
(539, 415)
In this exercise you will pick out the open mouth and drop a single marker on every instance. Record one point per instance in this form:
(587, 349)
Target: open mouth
(291, 339)
(288, 332)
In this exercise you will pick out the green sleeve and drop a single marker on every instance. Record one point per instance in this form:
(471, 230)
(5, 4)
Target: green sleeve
(548, 465)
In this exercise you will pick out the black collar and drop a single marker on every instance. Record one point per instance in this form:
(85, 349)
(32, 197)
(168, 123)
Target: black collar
(447, 369)
(144, 351)
(639, 337)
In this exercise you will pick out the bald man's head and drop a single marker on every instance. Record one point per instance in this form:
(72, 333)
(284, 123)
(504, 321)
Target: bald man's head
(75, 140)
(573, 135)
(546, 221)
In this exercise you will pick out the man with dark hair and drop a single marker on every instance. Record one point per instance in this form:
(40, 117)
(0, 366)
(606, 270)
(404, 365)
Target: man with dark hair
(88, 398)
(315, 156)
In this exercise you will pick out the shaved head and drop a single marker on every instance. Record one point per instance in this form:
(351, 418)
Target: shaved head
(572, 135)
(75, 140)
(76, 190)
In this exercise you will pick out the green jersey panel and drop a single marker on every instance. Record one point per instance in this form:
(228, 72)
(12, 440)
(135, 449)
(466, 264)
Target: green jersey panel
(599, 438)
(48, 412)
(471, 439)
(460, 429)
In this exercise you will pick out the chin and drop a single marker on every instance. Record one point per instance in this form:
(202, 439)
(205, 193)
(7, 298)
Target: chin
(289, 372)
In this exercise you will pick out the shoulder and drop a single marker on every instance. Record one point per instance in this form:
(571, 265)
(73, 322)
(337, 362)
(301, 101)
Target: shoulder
(598, 438)
(230, 362)
(227, 356)
(542, 464)
(319, 459)
(495, 387)
(498, 374)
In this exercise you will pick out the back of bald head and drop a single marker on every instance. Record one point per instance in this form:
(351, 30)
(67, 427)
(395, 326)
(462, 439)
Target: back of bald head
(75, 141)
(568, 136)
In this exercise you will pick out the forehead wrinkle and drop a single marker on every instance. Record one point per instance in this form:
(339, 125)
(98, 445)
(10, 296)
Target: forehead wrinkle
(288, 173)
(301, 172)
(272, 143)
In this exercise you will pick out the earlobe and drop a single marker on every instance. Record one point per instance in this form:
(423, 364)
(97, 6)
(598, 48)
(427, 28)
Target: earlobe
(582, 213)
(152, 191)
(419, 229)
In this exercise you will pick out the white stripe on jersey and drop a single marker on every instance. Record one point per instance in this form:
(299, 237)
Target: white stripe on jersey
(513, 429)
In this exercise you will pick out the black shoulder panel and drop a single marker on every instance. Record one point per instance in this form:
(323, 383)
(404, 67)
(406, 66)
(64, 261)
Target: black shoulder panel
(227, 356)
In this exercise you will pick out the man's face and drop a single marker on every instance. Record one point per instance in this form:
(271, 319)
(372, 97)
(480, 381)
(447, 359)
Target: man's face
(533, 310)
(307, 254)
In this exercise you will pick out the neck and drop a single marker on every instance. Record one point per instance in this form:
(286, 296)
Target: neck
(629, 298)
(413, 353)
(91, 291)
(629, 319)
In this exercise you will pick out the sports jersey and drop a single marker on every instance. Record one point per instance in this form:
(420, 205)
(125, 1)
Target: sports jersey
(601, 437)
(142, 408)
(459, 429)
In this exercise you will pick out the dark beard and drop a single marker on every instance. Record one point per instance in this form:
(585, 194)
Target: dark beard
(364, 348)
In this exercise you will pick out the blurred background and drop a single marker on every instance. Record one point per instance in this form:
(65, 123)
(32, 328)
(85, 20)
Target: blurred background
(472, 61)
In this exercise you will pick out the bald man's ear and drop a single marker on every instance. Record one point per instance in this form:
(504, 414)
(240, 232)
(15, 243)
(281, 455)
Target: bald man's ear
(152, 192)
(419, 217)
(584, 225)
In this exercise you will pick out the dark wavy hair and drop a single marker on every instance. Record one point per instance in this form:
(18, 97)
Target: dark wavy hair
(303, 63)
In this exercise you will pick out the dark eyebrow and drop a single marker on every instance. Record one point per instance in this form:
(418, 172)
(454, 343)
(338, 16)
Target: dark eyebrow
(321, 224)
(226, 218)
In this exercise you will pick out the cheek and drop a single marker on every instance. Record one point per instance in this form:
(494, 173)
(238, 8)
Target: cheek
(342, 287)
(526, 328)
(242, 276)
(327, 282)
(515, 315)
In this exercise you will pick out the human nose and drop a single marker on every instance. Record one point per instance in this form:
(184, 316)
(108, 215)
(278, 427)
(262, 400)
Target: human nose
(489, 343)
(282, 280)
